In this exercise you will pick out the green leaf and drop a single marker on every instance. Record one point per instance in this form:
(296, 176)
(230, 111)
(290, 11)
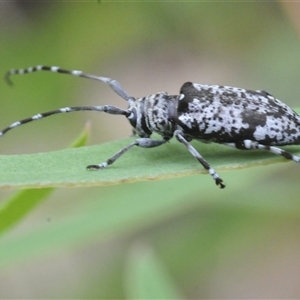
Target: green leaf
(110, 212)
(21, 203)
(147, 277)
(67, 168)
(83, 137)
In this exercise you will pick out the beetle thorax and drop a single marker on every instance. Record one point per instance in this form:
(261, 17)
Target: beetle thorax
(154, 113)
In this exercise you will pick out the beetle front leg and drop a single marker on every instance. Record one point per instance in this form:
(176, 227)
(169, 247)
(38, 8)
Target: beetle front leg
(179, 136)
(141, 142)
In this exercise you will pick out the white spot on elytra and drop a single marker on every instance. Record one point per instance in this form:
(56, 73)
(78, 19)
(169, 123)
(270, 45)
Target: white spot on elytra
(247, 144)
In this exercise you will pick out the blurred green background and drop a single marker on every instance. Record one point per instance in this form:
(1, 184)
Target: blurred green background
(241, 242)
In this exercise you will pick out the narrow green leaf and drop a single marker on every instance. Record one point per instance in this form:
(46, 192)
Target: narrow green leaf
(147, 277)
(19, 205)
(22, 202)
(83, 137)
(110, 212)
(68, 167)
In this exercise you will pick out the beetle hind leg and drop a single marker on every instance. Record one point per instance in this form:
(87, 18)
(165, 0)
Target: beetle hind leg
(249, 144)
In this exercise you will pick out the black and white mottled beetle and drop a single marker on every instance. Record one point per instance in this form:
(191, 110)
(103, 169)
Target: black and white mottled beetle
(235, 117)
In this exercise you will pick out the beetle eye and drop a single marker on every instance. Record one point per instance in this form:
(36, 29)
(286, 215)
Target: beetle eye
(132, 118)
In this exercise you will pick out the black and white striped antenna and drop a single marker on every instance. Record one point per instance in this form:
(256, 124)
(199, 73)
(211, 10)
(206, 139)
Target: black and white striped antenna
(114, 84)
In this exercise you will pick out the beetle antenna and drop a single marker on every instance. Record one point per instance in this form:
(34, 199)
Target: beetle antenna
(106, 108)
(114, 84)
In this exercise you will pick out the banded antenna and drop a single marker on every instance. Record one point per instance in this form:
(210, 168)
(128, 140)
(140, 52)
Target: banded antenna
(114, 84)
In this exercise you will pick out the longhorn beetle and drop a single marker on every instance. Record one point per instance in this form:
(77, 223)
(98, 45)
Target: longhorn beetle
(236, 117)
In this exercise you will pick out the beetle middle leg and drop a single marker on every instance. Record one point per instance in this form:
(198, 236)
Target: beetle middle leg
(180, 137)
